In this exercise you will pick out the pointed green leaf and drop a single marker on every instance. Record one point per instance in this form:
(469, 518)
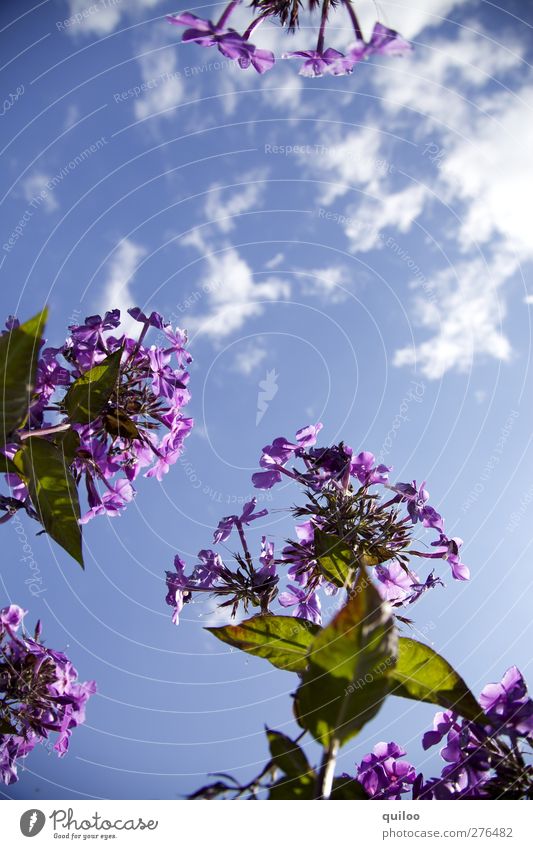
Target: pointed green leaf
(423, 675)
(348, 788)
(287, 755)
(345, 683)
(336, 560)
(19, 350)
(7, 466)
(293, 788)
(87, 397)
(53, 493)
(283, 640)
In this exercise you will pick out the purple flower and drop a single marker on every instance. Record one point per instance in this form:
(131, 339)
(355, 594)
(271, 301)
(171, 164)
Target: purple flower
(11, 617)
(205, 33)
(508, 705)
(225, 526)
(114, 498)
(266, 480)
(363, 468)
(307, 603)
(383, 774)
(448, 549)
(153, 320)
(177, 594)
(395, 583)
(307, 436)
(208, 570)
(317, 63)
(386, 42)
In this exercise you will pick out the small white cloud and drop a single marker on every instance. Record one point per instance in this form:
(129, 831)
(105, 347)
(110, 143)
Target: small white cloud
(326, 282)
(351, 162)
(398, 210)
(101, 16)
(120, 271)
(275, 261)
(528, 299)
(224, 205)
(250, 357)
(234, 295)
(36, 191)
(465, 317)
(164, 87)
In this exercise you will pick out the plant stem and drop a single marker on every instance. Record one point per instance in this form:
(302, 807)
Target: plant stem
(322, 30)
(45, 431)
(327, 770)
(355, 22)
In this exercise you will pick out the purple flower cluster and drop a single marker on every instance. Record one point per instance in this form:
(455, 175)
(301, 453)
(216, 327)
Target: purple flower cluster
(319, 61)
(383, 774)
(340, 487)
(151, 391)
(211, 574)
(338, 471)
(479, 764)
(40, 694)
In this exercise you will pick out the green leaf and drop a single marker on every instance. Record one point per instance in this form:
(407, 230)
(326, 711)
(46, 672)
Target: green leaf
(19, 350)
(283, 640)
(423, 675)
(345, 683)
(53, 493)
(336, 560)
(287, 755)
(87, 397)
(68, 444)
(293, 788)
(7, 466)
(348, 788)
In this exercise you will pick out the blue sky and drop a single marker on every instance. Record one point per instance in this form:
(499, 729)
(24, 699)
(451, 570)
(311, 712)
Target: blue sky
(361, 245)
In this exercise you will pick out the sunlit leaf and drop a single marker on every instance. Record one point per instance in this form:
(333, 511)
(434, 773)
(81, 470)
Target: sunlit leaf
(287, 755)
(19, 350)
(53, 493)
(345, 683)
(423, 675)
(282, 640)
(335, 559)
(87, 397)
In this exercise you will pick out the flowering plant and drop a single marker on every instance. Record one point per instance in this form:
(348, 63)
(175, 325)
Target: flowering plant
(88, 411)
(356, 543)
(40, 694)
(319, 60)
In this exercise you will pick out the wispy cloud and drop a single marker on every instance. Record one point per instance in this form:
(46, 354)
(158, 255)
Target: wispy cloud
(464, 317)
(224, 205)
(36, 190)
(250, 356)
(235, 295)
(119, 273)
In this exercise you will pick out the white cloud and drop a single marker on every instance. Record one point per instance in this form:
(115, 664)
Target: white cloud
(410, 18)
(326, 282)
(102, 16)
(234, 295)
(491, 170)
(35, 191)
(276, 260)
(352, 162)
(528, 299)
(250, 357)
(397, 210)
(465, 315)
(120, 271)
(224, 205)
(165, 88)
